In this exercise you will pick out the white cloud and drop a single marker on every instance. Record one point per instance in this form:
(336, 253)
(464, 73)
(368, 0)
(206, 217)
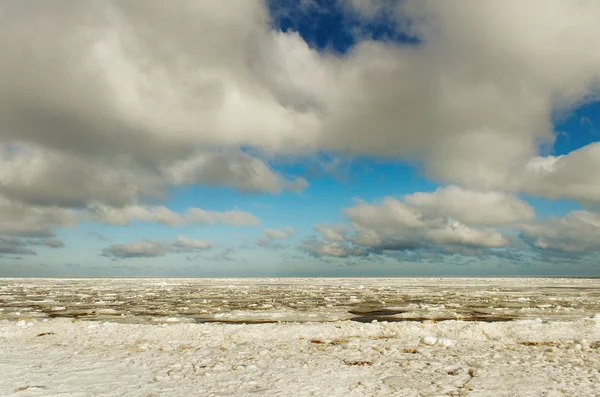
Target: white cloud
(483, 208)
(396, 225)
(234, 217)
(331, 249)
(578, 232)
(152, 248)
(160, 214)
(124, 216)
(279, 233)
(184, 244)
(455, 233)
(448, 220)
(471, 102)
(210, 94)
(570, 176)
(331, 233)
(271, 237)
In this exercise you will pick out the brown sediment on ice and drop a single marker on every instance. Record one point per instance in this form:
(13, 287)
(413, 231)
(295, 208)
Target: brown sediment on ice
(542, 343)
(378, 312)
(470, 318)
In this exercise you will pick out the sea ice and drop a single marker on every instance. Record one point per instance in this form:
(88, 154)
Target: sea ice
(381, 340)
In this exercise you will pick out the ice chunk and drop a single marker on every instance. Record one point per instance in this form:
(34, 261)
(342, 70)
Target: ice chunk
(445, 342)
(429, 340)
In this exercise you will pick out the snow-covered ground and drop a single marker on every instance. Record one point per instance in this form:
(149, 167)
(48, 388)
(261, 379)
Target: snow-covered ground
(150, 337)
(80, 358)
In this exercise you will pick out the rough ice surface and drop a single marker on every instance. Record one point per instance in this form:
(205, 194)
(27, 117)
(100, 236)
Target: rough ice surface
(300, 337)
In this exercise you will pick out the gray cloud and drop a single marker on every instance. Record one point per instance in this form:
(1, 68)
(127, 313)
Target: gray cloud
(272, 238)
(15, 246)
(83, 147)
(279, 234)
(126, 215)
(334, 249)
(450, 220)
(23, 227)
(140, 249)
(184, 244)
(163, 215)
(18, 219)
(130, 73)
(153, 248)
(26, 246)
(114, 103)
(236, 169)
(52, 243)
(576, 233)
(233, 217)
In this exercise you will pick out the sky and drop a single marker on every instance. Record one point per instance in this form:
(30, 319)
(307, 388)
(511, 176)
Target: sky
(299, 138)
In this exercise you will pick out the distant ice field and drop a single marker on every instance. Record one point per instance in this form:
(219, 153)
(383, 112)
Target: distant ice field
(263, 300)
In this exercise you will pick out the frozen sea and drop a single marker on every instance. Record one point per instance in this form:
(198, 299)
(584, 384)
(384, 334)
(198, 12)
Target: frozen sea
(300, 337)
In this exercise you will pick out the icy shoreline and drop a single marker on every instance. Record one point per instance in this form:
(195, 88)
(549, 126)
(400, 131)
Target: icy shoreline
(86, 358)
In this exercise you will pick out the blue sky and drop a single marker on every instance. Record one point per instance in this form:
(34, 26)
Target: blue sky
(309, 138)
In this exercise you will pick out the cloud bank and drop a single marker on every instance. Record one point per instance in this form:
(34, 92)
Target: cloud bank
(105, 106)
(154, 249)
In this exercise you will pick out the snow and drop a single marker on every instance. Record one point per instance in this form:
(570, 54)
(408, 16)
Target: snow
(149, 346)
(79, 358)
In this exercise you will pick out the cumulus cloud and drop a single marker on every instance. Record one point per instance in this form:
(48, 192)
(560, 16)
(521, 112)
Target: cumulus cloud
(184, 244)
(470, 101)
(113, 103)
(455, 233)
(24, 227)
(448, 220)
(83, 146)
(331, 233)
(236, 169)
(271, 236)
(483, 208)
(18, 219)
(153, 248)
(394, 225)
(139, 249)
(234, 217)
(15, 246)
(126, 215)
(569, 176)
(331, 249)
(279, 233)
(578, 232)
(26, 246)
(47, 177)
(163, 215)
